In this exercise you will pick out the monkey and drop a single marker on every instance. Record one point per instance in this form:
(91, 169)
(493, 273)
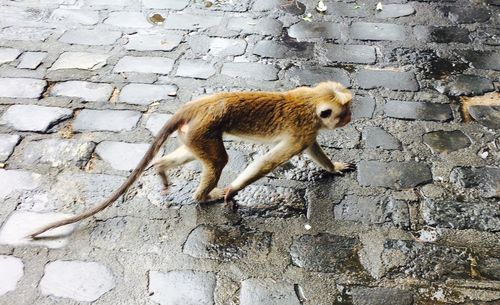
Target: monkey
(290, 119)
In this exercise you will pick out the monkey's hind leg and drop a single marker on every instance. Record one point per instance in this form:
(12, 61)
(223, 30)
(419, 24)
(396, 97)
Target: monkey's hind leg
(176, 158)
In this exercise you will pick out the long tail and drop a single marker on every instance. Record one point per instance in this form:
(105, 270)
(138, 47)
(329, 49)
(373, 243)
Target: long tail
(162, 136)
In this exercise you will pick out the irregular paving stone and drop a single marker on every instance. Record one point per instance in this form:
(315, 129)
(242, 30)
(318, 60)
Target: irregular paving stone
(392, 80)
(58, 153)
(351, 53)
(395, 11)
(267, 291)
(80, 60)
(380, 295)
(271, 48)
(250, 70)
(12, 271)
(342, 9)
(345, 137)
(145, 94)
(185, 21)
(429, 261)
(144, 64)
(156, 122)
(394, 175)
(483, 216)
(362, 107)
(7, 144)
(166, 4)
(326, 253)
(229, 6)
(466, 85)
(25, 33)
(314, 75)
(217, 46)
(486, 180)
(487, 60)
(225, 243)
(195, 69)
(31, 60)
(418, 111)
(75, 16)
(182, 287)
(17, 180)
(261, 26)
(120, 155)
(376, 137)
(128, 20)
(461, 15)
(314, 30)
(8, 55)
(33, 117)
(373, 210)
(87, 91)
(20, 224)
(488, 116)
(442, 34)
(77, 280)
(377, 31)
(21, 87)
(294, 8)
(106, 120)
(90, 37)
(489, 268)
(270, 201)
(153, 42)
(446, 141)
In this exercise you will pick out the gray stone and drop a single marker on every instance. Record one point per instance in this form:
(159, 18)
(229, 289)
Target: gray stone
(128, 20)
(381, 296)
(120, 155)
(145, 94)
(195, 69)
(345, 137)
(217, 46)
(31, 60)
(377, 31)
(442, 34)
(250, 70)
(446, 141)
(12, 271)
(312, 75)
(144, 64)
(488, 116)
(486, 180)
(343, 9)
(17, 180)
(182, 287)
(376, 137)
(225, 243)
(267, 291)
(58, 153)
(20, 224)
(351, 53)
(90, 37)
(394, 175)
(77, 280)
(482, 216)
(275, 49)
(156, 122)
(392, 80)
(314, 30)
(21, 87)
(461, 15)
(362, 107)
(33, 117)
(153, 42)
(326, 253)
(25, 33)
(488, 60)
(87, 91)
(7, 144)
(166, 4)
(8, 55)
(106, 120)
(184, 21)
(75, 16)
(489, 267)
(261, 26)
(395, 11)
(467, 85)
(418, 111)
(80, 60)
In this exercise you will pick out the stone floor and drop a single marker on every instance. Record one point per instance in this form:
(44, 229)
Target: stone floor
(86, 84)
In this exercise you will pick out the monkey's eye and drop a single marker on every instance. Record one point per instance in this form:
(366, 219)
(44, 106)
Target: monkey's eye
(325, 113)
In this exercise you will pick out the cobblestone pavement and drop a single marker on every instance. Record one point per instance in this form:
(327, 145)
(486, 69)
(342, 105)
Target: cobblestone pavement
(85, 84)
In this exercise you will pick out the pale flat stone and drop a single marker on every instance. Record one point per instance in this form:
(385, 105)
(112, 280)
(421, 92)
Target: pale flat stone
(33, 117)
(156, 122)
(195, 69)
(7, 144)
(87, 91)
(58, 152)
(90, 37)
(153, 42)
(75, 16)
(21, 224)
(143, 64)
(8, 55)
(166, 4)
(80, 60)
(21, 87)
(12, 269)
(77, 280)
(121, 155)
(31, 60)
(128, 20)
(106, 120)
(145, 94)
(267, 291)
(17, 180)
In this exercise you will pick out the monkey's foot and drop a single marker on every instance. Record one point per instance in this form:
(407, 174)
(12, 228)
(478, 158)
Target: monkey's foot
(341, 167)
(228, 198)
(164, 191)
(215, 194)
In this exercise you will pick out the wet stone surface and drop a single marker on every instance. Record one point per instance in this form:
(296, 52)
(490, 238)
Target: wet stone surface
(481, 179)
(446, 141)
(466, 15)
(466, 85)
(442, 34)
(488, 116)
(395, 175)
(304, 31)
(377, 31)
(425, 111)
(268, 48)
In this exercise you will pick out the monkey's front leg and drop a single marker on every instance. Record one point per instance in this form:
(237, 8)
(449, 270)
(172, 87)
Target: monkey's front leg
(318, 155)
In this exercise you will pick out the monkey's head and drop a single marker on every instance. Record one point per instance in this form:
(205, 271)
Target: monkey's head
(333, 105)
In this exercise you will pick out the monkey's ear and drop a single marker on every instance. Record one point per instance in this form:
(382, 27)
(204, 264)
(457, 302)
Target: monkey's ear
(325, 113)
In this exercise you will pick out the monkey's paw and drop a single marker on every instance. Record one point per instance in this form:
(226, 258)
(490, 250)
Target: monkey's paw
(228, 198)
(342, 167)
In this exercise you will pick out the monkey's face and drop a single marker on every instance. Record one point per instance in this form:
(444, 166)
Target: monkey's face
(333, 115)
